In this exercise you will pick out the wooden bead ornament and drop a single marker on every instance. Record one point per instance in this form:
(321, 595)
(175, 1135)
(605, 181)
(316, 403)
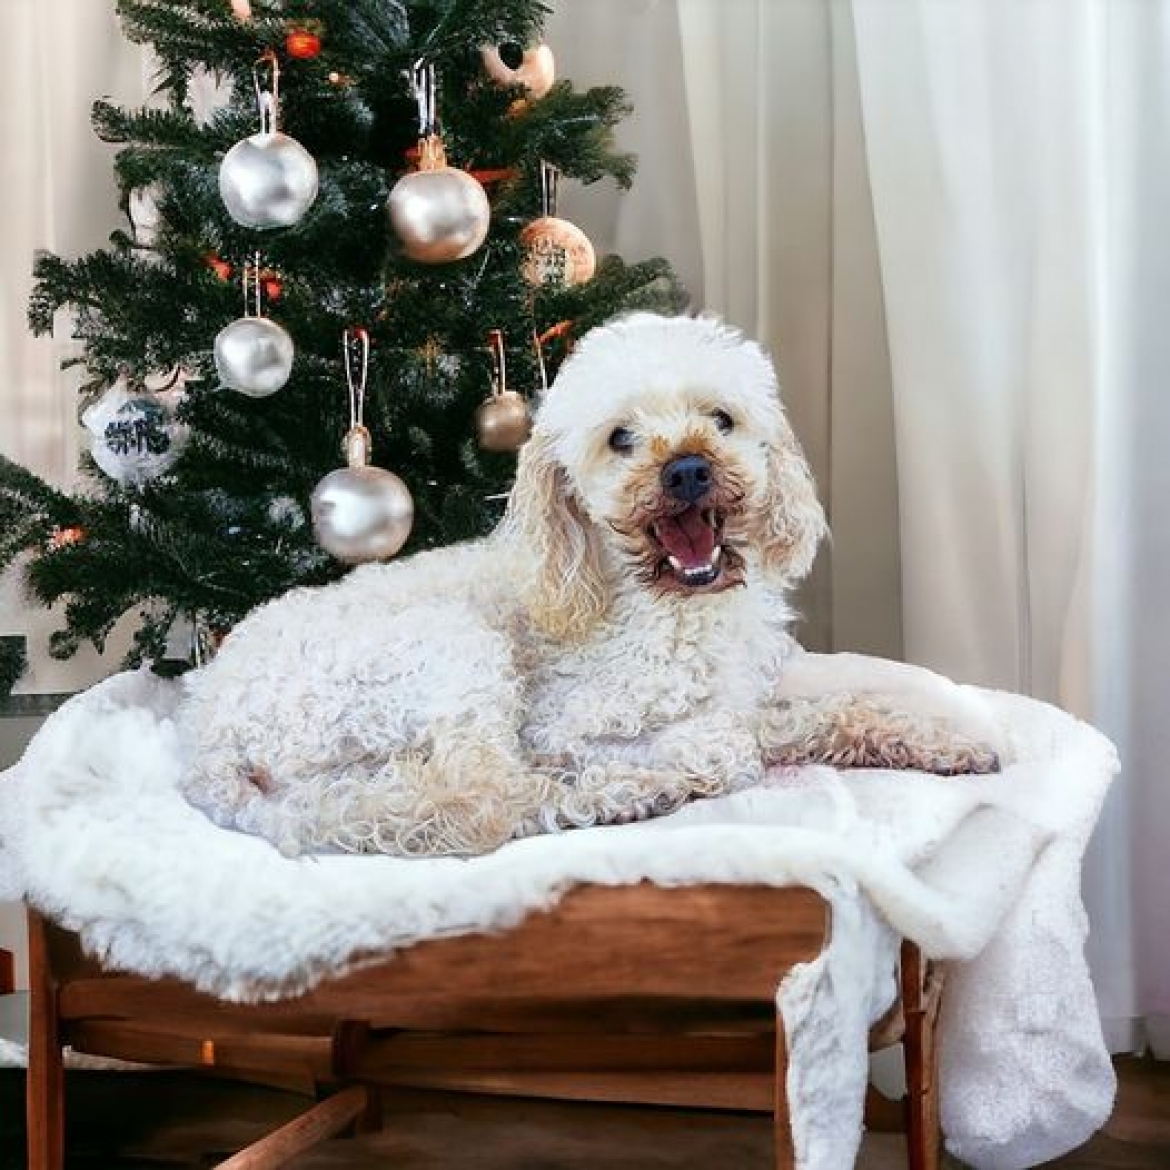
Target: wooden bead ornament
(555, 250)
(536, 72)
(503, 421)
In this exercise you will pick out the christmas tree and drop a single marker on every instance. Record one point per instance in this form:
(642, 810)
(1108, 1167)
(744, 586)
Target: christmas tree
(380, 171)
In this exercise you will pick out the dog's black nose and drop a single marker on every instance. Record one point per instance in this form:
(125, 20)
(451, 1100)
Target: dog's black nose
(687, 478)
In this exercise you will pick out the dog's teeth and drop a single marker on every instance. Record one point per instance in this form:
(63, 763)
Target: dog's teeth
(675, 564)
(717, 555)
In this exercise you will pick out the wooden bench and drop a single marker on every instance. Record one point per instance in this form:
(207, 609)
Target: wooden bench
(634, 994)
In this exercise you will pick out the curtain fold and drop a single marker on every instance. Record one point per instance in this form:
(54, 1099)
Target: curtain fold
(1011, 165)
(946, 222)
(59, 194)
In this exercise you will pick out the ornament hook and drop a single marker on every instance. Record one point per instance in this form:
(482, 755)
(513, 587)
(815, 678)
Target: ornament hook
(550, 181)
(253, 287)
(267, 99)
(536, 345)
(355, 351)
(425, 86)
(499, 365)
(355, 355)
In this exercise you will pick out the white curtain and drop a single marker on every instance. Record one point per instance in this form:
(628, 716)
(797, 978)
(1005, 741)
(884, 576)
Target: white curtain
(1012, 148)
(752, 182)
(59, 194)
(947, 220)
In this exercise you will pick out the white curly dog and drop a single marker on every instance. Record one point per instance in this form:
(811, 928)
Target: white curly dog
(612, 650)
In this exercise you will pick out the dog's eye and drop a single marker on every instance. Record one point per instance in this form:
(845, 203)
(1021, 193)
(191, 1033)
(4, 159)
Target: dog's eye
(723, 420)
(622, 440)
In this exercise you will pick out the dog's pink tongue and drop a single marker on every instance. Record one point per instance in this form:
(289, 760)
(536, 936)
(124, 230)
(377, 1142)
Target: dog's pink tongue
(688, 537)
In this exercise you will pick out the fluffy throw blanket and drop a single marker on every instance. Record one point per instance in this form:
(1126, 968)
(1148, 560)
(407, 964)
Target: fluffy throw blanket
(983, 871)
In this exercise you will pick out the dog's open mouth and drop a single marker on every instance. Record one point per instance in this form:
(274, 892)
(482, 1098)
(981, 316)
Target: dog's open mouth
(692, 545)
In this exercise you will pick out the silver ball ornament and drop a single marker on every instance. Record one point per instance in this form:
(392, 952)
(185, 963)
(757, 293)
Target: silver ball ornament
(268, 180)
(439, 215)
(362, 514)
(254, 356)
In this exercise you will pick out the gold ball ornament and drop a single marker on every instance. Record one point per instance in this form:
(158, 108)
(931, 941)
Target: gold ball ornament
(536, 72)
(503, 422)
(439, 213)
(556, 252)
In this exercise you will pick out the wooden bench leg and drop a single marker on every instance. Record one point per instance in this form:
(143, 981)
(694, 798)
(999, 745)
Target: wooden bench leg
(46, 1070)
(921, 999)
(781, 1119)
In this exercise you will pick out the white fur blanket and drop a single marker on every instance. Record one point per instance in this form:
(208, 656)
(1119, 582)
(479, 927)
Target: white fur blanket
(984, 871)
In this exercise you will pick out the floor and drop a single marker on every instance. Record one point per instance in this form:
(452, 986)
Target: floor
(164, 1121)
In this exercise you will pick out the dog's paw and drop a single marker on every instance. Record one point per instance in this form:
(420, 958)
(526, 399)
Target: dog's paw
(959, 757)
(642, 810)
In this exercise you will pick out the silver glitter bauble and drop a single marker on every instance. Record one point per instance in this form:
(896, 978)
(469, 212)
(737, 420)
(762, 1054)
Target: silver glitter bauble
(439, 215)
(254, 356)
(268, 180)
(362, 514)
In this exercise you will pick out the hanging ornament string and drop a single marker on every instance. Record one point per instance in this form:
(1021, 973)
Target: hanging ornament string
(426, 96)
(550, 181)
(253, 287)
(499, 361)
(267, 100)
(540, 362)
(355, 354)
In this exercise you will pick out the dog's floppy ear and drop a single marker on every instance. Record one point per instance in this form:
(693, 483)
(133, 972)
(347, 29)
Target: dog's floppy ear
(794, 521)
(565, 591)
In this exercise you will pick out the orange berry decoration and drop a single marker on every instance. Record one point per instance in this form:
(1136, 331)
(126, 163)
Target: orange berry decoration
(218, 265)
(302, 43)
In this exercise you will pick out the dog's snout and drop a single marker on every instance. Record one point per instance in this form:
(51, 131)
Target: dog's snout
(687, 478)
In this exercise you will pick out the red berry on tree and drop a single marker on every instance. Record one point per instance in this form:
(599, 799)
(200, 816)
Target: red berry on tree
(218, 265)
(302, 43)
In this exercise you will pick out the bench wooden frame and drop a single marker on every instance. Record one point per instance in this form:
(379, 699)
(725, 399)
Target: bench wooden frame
(634, 994)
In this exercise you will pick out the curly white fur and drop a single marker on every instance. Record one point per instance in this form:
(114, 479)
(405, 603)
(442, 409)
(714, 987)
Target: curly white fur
(557, 673)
